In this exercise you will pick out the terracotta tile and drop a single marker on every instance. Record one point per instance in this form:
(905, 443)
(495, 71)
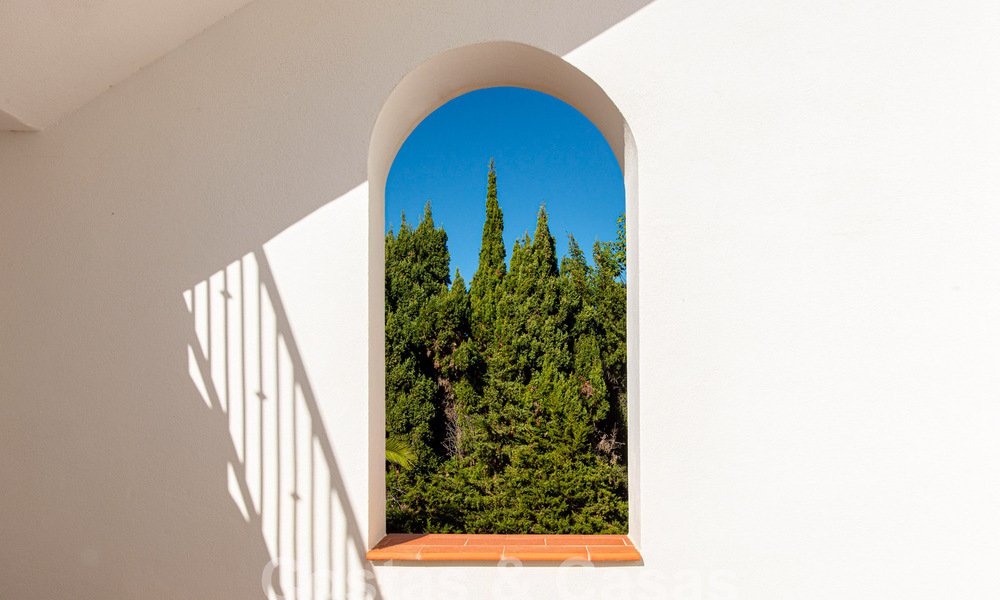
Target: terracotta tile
(604, 540)
(536, 552)
(526, 540)
(491, 547)
(605, 553)
(395, 553)
(486, 540)
(492, 553)
(394, 539)
(444, 539)
(564, 540)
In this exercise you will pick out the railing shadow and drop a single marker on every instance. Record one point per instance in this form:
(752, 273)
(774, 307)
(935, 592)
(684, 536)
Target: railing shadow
(283, 476)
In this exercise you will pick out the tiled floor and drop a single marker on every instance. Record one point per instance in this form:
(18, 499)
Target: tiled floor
(458, 546)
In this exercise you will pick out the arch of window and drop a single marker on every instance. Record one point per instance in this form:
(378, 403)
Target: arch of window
(419, 93)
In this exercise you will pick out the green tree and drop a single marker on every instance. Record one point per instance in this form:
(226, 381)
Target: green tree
(512, 394)
(485, 289)
(416, 270)
(529, 330)
(609, 326)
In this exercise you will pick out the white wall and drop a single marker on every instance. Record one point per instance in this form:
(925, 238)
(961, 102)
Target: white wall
(819, 328)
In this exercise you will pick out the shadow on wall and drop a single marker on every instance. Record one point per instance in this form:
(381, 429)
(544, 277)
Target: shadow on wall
(282, 475)
(118, 478)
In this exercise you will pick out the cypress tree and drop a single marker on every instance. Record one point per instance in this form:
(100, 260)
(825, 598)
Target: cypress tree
(410, 280)
(529, 331)
(417, 270)
(492, 269)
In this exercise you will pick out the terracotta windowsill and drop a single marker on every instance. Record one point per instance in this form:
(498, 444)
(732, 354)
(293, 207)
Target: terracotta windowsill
(460, 546)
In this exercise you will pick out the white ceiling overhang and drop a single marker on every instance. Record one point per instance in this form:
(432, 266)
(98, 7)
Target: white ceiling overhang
(57, 55)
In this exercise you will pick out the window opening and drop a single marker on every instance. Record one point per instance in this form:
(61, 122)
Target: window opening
(505, 396)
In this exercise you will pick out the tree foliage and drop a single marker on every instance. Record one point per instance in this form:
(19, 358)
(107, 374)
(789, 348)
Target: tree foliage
(511, 395)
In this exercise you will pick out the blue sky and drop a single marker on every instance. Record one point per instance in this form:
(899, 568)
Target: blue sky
(545, 151)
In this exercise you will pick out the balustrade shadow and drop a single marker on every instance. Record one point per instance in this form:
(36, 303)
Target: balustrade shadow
(283, 476)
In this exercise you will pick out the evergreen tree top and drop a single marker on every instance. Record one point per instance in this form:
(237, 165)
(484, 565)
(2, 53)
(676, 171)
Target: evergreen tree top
(491, 185)
(492, 253)
(544, 245)
(485, 288)
(428, 218)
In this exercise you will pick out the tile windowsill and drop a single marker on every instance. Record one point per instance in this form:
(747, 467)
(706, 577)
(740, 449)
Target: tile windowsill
(488, 547)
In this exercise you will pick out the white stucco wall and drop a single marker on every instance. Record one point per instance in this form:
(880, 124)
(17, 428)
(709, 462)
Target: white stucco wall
(818, 346)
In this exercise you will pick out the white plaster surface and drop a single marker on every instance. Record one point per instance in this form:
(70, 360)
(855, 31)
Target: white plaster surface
(818, 344)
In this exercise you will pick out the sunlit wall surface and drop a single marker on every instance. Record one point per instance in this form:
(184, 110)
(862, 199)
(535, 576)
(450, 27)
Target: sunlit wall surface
(817, 256)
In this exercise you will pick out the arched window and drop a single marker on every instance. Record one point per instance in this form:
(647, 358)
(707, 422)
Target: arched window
(422, 91)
